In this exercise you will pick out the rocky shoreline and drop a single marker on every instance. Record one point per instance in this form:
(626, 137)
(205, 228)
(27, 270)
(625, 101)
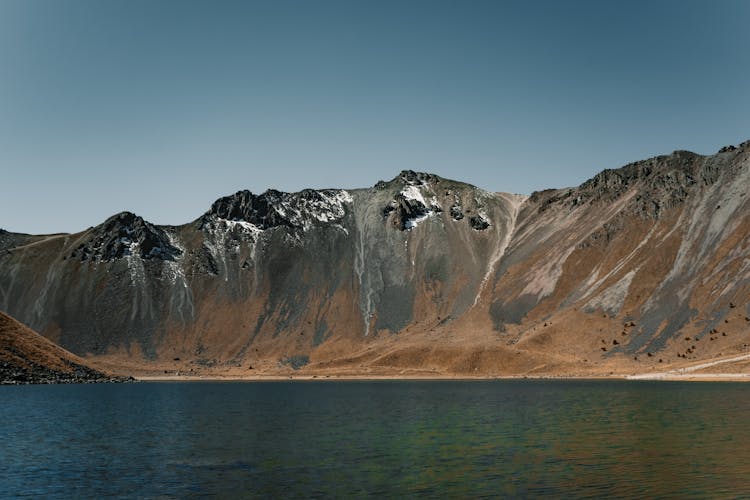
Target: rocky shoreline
(11, 374)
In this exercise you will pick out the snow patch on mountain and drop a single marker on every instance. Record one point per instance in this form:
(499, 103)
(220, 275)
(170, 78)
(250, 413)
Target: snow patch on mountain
(411, 206)
(303, 210)
(410, 224)
(413, 193)
(243, 226)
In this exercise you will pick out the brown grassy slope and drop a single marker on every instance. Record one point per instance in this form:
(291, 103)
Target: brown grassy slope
(27, 357)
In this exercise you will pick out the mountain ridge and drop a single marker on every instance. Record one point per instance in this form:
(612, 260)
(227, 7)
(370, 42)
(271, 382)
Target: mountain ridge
(322, 274)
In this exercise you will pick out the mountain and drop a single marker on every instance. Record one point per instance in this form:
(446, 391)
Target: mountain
(638, 268)
(27, 357)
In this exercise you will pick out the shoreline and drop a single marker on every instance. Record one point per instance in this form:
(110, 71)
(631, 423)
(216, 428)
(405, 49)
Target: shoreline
(659, 377)
(701, 371)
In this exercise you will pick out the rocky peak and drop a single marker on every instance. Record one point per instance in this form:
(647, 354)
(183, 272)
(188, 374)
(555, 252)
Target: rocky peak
(419, 195)
(279, 209)
(675, 170)
(412, 178)
(244, 206)
(123, 235)
(662, 182)
(409, 178)
(413, 202)
(732, 148)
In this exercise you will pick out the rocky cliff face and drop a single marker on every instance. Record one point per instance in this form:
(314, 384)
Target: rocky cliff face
(625, 265)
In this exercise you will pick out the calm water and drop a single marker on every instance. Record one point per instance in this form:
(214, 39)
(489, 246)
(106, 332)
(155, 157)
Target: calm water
(343, 439)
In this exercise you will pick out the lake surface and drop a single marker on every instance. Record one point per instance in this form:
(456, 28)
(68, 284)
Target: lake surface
(383, 438)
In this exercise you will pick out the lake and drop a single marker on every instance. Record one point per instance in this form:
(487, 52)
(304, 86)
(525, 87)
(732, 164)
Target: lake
(377, 438)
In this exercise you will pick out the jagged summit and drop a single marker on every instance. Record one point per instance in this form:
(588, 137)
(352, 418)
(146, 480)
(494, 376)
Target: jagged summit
(661, 182)
(616, 272)
(421, 195)
(276, 208)
(123, 235)
(731, 147)
(409, 178)
(413, 178)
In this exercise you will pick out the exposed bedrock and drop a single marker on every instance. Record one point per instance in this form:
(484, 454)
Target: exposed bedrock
(662, 243)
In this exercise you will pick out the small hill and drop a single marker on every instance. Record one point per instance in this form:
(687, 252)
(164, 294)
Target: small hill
(28, 358)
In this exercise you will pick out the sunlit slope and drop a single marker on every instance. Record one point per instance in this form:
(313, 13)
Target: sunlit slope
(27, 357)
(417, 272)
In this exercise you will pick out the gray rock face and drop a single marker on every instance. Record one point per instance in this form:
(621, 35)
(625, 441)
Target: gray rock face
(291, 272)
(274, 208)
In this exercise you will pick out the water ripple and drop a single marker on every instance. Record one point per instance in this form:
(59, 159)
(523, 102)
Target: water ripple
(341, 439)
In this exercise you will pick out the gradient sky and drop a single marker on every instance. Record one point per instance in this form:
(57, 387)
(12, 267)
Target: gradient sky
(160, 107)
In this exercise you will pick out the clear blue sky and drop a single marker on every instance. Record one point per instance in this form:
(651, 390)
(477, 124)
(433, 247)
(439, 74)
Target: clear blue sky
(160, 107)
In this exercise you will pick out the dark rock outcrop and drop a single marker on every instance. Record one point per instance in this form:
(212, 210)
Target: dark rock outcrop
(478, 222)
(123, 235)
(405, 212)
(457, 212)
(278, 209)
(32, 373)
(412, 178)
